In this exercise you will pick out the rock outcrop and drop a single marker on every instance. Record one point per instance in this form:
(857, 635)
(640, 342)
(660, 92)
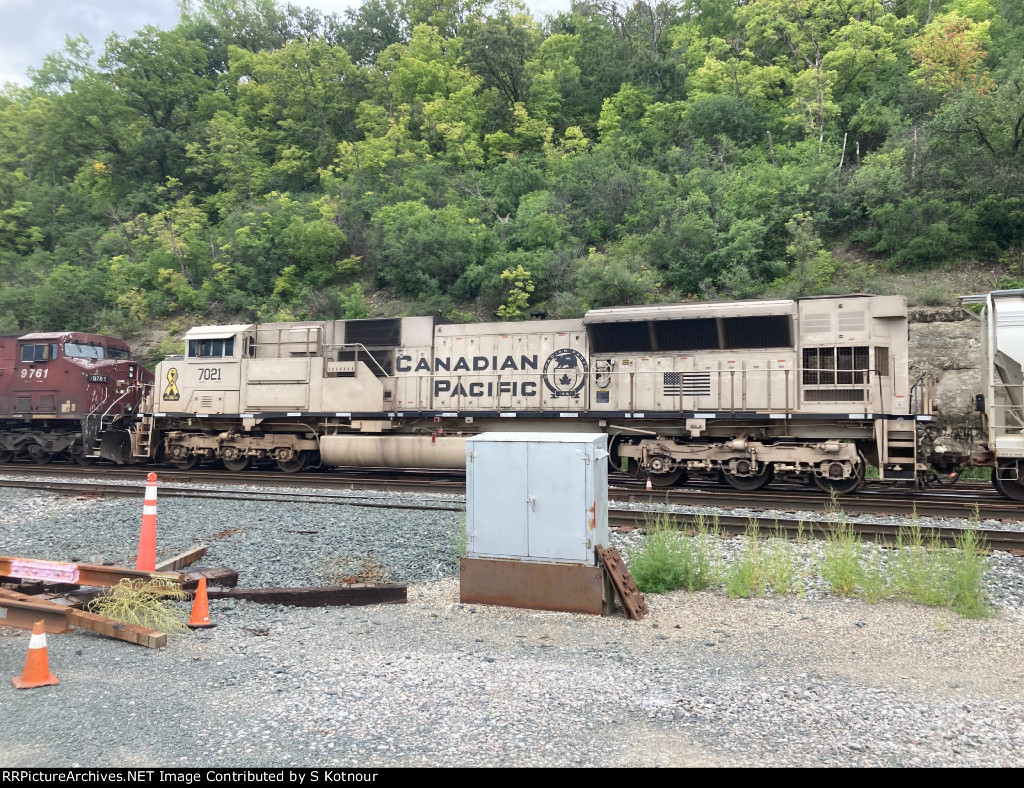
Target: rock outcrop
(945, 342)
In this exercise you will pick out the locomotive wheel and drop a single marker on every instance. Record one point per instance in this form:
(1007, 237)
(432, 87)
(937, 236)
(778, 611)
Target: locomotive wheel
(236, 464)
(1009, 488)
(296, 464)
(37, 454)
(186, 463)
(752, 482)
(666, 479)
(76, 454)
(842, 486)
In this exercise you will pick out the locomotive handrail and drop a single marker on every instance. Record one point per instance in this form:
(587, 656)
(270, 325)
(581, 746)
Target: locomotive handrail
(105, 413)
(737, 396)
(314, 331)
(360, 346)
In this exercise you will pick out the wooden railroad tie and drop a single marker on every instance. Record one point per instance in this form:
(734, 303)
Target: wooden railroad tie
(622, 581)
(21, 611)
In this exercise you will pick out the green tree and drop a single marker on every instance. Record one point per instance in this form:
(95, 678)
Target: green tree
(421, 251)
(520, 289)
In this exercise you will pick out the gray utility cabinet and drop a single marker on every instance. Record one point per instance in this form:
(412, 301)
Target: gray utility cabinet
(537, 496)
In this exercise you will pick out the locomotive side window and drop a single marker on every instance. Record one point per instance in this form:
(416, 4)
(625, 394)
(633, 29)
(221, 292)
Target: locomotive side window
(37, 353)
(82, 350)
(119, 353)
(211, 348)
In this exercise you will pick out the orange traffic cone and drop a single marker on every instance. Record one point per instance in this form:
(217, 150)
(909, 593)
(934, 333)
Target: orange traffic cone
(37, 665)
(146, 560)
(200, 618)
(649, 485)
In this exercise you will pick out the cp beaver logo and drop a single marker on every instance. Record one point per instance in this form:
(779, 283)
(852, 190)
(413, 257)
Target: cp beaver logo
(565, 373)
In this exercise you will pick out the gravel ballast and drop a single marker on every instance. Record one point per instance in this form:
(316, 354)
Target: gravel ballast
(704, 680)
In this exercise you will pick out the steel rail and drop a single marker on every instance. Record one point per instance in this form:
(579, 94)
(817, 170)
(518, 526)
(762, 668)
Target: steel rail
(876, 500)
(723, 524)
(887, 534)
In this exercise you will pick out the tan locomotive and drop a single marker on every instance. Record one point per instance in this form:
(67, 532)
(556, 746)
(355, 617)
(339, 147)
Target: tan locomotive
(815, 388)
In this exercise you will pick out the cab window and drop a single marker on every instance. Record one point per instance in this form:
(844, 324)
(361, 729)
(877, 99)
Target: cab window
(119, 353)
(35, 353)
(211, 348)
(83, 350)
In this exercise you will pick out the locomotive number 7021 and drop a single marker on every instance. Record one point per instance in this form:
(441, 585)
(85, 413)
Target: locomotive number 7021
(209, 373)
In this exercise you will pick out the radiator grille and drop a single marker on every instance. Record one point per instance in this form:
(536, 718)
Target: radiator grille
(818, 323)
(833, 395)
(380, 332)
(851, 321)
(882, 361)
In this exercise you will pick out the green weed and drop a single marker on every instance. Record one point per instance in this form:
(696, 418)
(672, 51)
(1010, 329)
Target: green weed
(918, 569)
(459, 539)
(670, 559)
(745, 575)
(874, 576)
(777, 560)
(966, 569)
(840, 566)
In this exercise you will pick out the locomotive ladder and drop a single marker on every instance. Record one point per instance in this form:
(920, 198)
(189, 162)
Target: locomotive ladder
(143, 436)
(897, 449)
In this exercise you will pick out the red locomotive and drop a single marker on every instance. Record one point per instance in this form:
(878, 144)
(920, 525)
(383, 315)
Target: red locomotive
(68, 394)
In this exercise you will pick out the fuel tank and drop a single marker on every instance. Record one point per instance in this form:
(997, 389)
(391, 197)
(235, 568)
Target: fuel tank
(394, 451)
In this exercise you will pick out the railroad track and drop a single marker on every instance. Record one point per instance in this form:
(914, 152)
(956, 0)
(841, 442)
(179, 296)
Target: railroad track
(873, 500)
(724, 524)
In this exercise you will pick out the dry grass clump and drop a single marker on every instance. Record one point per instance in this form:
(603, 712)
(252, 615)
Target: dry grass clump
(144, 603)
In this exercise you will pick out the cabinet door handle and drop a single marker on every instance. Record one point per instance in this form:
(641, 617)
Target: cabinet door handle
(533, 503)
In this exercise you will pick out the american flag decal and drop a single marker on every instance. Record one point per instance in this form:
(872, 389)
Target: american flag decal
(689, 384)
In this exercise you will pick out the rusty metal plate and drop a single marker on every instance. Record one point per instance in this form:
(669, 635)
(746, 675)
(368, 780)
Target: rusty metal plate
(632, 600)
(569, 588)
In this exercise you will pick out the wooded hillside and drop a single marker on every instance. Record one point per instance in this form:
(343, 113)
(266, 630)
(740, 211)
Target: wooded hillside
(263, 163)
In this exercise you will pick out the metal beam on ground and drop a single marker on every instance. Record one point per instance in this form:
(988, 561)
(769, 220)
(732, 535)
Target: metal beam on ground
(56, 572)
(22, 612)
(319, 596)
